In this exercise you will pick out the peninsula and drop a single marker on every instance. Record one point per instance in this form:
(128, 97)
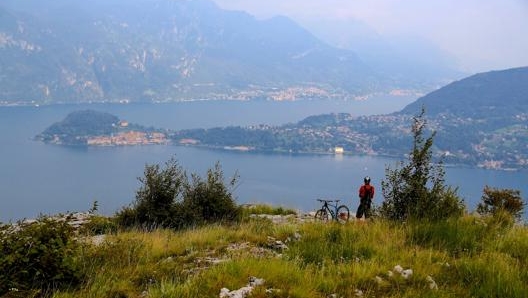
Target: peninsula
(93, 128)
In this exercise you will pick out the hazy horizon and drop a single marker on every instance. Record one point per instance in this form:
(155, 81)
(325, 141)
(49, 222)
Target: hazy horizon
(481, 35)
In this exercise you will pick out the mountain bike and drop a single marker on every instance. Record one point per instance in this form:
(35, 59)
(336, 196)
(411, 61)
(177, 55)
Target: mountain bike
(331, 210)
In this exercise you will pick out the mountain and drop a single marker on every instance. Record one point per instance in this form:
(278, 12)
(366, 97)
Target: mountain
(414, 60)
(479, 121)
(161, 50)
(487, 95)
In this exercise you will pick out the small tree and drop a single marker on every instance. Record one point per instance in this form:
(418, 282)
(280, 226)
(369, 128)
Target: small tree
(417, 189)
(167, 198)
(207, 201)
(156, 198)
(496, 200)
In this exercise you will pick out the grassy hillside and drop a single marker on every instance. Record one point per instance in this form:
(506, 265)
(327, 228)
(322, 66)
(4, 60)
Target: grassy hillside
(296, 257)
(493, 94)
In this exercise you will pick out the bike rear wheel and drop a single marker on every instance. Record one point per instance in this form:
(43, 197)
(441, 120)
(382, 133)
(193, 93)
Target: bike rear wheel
(323, 215)
(343, 214)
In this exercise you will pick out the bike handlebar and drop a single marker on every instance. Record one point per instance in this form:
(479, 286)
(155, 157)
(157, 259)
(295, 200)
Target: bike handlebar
(328, 201)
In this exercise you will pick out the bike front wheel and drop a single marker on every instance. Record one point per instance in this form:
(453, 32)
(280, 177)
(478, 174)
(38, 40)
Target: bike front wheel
(343, 214)
(323, 215)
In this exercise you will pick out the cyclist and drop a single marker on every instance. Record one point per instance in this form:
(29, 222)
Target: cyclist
(366, 194)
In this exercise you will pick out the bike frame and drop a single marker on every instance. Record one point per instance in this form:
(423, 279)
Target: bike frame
(338, 212)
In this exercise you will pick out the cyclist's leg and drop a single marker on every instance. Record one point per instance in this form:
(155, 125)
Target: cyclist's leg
(367, 208)
(360, 210)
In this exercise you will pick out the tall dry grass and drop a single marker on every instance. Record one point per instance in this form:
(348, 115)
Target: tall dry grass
(467, 257)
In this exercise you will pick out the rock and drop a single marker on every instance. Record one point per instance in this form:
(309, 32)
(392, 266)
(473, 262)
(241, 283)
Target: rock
(407, 273)
(297, 236)
(398, 269)
(224, 292)
(404, 273)
(378, 280)
(253, 281)
(432, 283)
(276, 244)
(98, 239)
(240, 293)
(271, 292)
(244, 291)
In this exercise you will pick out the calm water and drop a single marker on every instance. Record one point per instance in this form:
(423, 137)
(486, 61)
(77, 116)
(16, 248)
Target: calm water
(37, 178)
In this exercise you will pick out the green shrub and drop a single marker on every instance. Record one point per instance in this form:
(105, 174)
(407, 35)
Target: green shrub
(495, 200)
(127, 217)
(168, 198)
(416, 189)
(501, 219)
(157, 196)
(207, 201)
(38, 256)
(98, 225)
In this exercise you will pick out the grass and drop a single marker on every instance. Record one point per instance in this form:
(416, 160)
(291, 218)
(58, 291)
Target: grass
(467, 257)
(267, 209)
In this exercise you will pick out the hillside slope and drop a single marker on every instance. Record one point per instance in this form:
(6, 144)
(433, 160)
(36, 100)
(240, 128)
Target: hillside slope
(479, 121)
(501, 93)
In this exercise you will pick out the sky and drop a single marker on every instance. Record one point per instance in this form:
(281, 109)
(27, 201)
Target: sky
(481, 35)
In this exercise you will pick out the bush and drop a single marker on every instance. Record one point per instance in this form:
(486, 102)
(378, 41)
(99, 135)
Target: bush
(38, 256)
(416, 189)
(168, 198)
(495, 200)
(156, 198)
(127, 217)
(98, 225)
(207, 201)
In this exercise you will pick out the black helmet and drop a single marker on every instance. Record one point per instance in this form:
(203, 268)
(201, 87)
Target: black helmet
(367, 179)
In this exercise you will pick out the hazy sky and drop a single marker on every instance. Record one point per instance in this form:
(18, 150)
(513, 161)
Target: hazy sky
(482, 34)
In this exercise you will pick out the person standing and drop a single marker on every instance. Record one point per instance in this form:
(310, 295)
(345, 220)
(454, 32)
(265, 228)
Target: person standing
(366, 194)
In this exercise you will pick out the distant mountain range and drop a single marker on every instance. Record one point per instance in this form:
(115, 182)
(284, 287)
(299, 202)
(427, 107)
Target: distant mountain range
(480, 121)
(65, 51)
(407, 58)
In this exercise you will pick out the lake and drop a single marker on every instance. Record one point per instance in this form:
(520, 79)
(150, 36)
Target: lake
(38, 178)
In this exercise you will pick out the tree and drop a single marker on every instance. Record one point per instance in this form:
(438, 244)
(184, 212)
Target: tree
(168, 198)
(157, 197)
(416, 189)
(208, 200)
(496, 200)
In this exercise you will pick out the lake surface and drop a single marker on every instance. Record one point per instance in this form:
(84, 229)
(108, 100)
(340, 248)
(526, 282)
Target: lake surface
(37, 178)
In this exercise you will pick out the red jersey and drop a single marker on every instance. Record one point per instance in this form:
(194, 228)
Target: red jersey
(366, 189)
